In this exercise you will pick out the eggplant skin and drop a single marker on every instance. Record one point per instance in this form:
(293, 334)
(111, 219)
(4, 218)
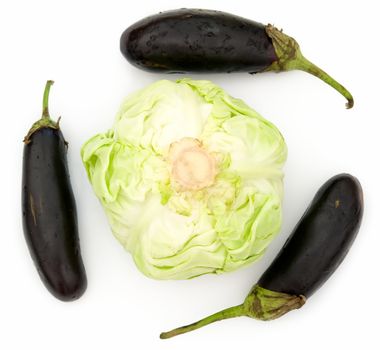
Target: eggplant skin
(197, 41)
(49, 215)
(320, 240)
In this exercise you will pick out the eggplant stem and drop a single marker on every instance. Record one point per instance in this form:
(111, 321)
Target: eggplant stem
(305, 65)
(289, 57)
(45, 101)
(234, 311)
(45, 121)
(260, 304)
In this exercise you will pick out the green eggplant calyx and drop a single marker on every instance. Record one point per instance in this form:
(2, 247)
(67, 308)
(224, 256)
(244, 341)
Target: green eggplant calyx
(289, 57)
(261, 304)
(264, 304)
(45, 121)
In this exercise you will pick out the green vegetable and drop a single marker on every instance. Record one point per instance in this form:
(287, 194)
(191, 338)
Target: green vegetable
(190, 179)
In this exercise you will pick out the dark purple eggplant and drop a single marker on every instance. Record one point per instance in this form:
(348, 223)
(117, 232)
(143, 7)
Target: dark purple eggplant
(200, 41)
(314, 250)
(49, 211)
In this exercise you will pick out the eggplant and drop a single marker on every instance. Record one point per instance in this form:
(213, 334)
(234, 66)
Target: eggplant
(48, 209)
(311, 254)
(208, 41)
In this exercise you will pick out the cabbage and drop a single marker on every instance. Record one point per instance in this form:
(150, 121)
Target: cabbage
(190, 179)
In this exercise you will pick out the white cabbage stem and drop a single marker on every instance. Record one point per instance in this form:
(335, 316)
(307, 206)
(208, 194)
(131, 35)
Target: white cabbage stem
(192, 167)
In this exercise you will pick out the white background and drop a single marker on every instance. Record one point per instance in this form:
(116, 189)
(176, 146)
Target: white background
(76, 43)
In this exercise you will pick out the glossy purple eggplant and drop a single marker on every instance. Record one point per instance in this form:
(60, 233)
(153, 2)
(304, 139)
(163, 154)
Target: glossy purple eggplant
(207, 41)
(49, 211)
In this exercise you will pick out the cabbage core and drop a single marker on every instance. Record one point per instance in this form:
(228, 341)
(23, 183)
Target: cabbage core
(192, 167)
